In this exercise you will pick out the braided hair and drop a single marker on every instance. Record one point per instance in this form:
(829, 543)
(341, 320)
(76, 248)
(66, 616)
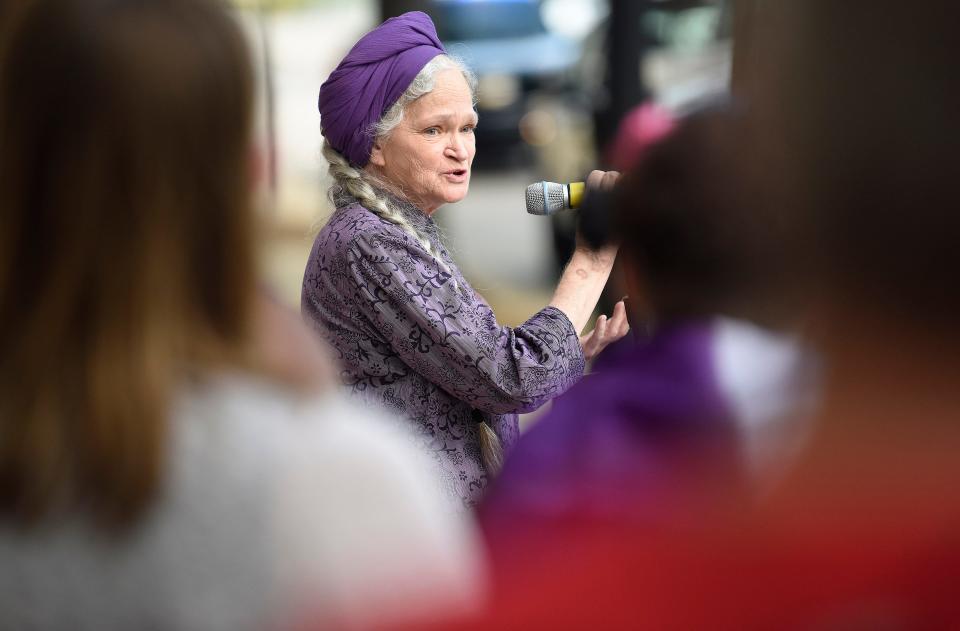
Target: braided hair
(359, 184)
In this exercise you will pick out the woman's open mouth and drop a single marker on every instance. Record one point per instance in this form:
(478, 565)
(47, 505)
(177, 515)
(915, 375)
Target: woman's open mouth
(456, 175)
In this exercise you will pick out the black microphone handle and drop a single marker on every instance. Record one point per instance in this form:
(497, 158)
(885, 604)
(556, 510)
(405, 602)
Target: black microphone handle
(595, 218)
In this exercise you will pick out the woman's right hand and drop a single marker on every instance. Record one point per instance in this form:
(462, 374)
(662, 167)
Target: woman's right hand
(587, 271)
(603, 181)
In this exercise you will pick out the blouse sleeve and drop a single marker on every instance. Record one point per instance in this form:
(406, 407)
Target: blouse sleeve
(449, 335)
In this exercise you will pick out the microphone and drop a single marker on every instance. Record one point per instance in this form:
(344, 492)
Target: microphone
(546, 198)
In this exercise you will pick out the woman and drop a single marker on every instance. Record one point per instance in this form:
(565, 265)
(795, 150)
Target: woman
(398, 120)
(164, 462)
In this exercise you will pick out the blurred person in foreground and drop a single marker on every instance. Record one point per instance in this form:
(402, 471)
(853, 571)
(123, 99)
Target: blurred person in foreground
(853, 143)
(705, 385)
(172, 451)
(398, 119)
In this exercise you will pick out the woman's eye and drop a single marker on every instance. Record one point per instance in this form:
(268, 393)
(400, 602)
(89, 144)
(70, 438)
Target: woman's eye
(469, 129)
(432, 131)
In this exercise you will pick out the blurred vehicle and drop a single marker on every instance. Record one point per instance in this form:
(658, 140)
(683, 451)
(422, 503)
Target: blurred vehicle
(515, 56)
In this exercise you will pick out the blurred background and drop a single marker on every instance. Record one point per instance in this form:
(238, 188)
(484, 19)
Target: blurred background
(556, 77)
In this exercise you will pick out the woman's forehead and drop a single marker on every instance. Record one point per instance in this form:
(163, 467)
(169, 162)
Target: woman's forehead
(440, 113)
(443, 102)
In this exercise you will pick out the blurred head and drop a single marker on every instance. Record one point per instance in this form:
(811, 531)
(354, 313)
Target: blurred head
(692, 235)
(640, 128)
(425, 144)
(125, 238)
(857, 131)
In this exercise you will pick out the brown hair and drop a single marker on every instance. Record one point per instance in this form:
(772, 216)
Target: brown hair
(698, 235)
(126, 255)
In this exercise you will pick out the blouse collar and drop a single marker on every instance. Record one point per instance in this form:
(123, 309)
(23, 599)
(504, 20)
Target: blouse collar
(421, 221)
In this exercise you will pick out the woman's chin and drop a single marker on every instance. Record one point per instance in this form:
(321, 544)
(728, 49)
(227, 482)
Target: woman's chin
(457, 194)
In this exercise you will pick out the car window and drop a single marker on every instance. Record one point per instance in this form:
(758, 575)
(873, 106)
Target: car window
(460, 20)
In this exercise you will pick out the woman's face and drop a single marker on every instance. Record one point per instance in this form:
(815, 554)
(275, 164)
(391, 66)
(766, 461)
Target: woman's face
(428, 155)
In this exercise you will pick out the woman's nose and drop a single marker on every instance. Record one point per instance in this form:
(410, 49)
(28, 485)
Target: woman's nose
(457, 148)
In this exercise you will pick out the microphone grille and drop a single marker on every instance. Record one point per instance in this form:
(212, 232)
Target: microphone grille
(545, 198)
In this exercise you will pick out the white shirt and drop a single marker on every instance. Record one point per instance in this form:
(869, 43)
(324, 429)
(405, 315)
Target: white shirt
(275, 509)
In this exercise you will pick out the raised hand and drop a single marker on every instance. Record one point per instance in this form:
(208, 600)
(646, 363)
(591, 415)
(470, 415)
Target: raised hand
(605, 331)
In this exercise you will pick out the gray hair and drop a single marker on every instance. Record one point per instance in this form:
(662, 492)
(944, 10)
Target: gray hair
(422, 85)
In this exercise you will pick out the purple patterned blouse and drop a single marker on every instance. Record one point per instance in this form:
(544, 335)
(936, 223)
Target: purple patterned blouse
(420, 341)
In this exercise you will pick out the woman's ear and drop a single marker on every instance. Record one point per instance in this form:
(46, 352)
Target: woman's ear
(376, 155)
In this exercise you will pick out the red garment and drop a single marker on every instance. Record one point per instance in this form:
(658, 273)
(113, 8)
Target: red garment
(864, 576)
(795, 566)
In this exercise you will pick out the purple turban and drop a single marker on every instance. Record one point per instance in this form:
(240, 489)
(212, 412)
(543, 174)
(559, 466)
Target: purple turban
(371, 78)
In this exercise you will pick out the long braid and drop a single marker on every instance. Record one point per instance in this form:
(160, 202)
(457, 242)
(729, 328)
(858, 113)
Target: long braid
(353, 182)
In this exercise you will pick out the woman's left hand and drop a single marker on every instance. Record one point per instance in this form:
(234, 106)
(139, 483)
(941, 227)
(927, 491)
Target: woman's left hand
(605, 331)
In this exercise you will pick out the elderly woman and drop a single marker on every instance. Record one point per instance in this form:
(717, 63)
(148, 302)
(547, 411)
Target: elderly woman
(398, 120)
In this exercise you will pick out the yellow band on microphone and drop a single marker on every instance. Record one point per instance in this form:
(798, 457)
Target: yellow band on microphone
(576, 194)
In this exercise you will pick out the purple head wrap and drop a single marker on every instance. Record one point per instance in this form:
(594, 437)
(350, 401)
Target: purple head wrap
(371, 78)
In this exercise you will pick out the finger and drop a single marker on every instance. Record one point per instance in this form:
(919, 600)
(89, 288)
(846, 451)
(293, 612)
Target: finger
(609, 179)
(620, 311)
(589, 344)
(622, 324)
(595, 179)
(601, 328)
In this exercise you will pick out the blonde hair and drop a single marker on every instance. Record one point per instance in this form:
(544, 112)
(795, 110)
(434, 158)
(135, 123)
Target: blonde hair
(368, 190)
(126, 241)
